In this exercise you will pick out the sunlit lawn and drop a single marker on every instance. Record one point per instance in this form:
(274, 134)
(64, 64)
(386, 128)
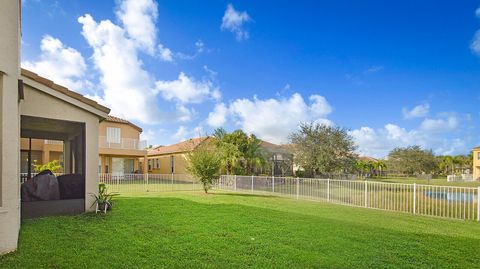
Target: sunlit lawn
(224, 230)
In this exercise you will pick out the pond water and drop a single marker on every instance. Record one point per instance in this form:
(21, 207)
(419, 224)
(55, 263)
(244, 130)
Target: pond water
(452, 196)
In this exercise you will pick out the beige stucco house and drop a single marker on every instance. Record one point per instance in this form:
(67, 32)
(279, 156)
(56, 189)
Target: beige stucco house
(172, 159)
(34, 107)
(120, 147)
(10, 125)
(476, 163)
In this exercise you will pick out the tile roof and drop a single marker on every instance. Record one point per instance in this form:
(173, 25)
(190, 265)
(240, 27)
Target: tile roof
(111, 118)
(44, 81)
(367, 158)
(275, 147)
(184, 146)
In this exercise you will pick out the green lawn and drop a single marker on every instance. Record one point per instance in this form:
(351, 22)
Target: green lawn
(186, 229)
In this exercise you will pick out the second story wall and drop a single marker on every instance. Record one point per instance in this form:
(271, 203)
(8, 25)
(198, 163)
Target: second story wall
(126, 131)
(118, 137)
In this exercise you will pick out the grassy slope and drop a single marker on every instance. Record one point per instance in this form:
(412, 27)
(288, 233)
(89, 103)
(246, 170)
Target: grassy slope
(235, 230)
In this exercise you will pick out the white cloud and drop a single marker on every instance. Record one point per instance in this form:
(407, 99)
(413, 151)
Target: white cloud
(445, 123)
(60, 63)
(475, 45)
(416, 112)
(320, 107)
(138, 18)
(184, 114)
(187, 90)
(165, 54)
(234, 20)
(127, 87)
(181, 134)
(378, 143)
(275, 119)
(218, 116)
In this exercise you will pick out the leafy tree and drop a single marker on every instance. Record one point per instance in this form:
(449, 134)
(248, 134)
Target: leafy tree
(379, 166)
(364, 167)
(240, 153)
(204, 163)
(412, 160)
(321, 149)
(448, 165)
(53, 166)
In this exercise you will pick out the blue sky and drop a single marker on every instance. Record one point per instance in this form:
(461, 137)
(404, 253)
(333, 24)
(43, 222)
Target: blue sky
(395, 73)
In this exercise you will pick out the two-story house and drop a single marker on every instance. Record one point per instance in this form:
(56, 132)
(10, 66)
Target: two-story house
(172, 159)
(120, 147)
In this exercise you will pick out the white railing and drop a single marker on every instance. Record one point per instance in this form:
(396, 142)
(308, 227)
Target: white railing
(125, 143)
(53, 142)
(440, 201)
(131, 183)
(460, 178)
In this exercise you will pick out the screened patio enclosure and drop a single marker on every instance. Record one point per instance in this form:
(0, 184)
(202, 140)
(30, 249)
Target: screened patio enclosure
(72, 182)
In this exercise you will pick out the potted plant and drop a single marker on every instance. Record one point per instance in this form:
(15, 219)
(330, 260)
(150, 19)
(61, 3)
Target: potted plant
(103, 200)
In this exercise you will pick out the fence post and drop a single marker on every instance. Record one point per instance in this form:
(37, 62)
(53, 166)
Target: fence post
(252, 183)
(366, 194)
(478, 203)
(328, 189)
(273, 183)
(414, 198)
(235, 182)
(172, 181)
(298, 187)
(146, 181)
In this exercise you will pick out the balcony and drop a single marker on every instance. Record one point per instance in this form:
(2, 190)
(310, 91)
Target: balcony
(53, 142)
(125, 143)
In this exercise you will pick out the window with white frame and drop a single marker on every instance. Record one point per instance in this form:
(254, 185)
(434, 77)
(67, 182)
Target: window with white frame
(113, 135)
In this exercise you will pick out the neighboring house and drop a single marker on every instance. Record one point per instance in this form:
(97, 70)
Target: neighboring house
(172, 159)
(279, 158)
(120, 147)
(32, 106)
(476, 163)
(42, 152)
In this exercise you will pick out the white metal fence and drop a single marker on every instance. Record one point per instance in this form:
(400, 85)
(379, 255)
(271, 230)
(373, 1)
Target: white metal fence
(460, 178)
(440, 201)
(129, 183)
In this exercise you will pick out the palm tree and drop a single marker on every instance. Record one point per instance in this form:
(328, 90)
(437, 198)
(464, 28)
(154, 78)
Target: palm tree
(379, 165)
(254, 156)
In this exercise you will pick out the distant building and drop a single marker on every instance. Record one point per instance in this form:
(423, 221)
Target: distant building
(120, 147)
(476, 163)
(172, 159)
(279, 157)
